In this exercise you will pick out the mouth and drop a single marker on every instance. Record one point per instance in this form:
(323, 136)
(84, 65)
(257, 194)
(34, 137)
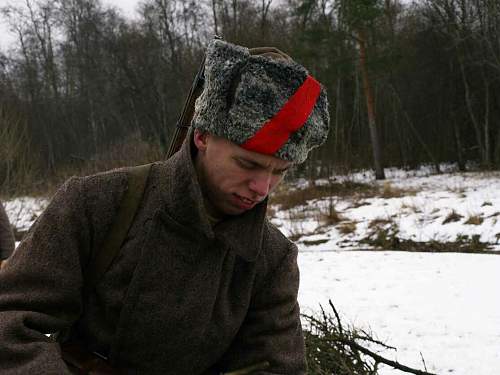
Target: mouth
(244, 202)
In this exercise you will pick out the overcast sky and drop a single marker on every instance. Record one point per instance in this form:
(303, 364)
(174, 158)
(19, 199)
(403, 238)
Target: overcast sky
(126, 6)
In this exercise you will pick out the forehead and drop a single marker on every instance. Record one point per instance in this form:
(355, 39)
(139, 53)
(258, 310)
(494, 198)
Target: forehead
(233, 150)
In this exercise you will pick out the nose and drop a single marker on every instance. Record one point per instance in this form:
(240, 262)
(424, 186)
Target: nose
(261, 183)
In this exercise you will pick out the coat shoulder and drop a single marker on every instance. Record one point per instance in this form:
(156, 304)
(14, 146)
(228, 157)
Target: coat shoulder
(275, 236)
(101, 195)
(106, 184)
(276, 245)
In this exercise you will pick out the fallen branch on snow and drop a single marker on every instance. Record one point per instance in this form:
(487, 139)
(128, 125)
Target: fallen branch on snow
(333, 350)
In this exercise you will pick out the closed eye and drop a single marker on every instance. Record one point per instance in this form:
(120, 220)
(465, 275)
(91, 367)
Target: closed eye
(251, 165)
(246, 164)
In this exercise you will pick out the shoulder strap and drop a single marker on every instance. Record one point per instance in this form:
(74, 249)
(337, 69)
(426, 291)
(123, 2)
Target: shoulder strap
(137, 178)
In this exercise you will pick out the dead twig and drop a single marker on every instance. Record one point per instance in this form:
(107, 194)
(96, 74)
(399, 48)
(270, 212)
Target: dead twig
(423, 361)
(394, 364)
(334, 348)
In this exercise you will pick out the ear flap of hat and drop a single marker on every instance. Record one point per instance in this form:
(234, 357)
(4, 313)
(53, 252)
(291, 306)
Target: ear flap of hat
(313, 134)
(222, 64)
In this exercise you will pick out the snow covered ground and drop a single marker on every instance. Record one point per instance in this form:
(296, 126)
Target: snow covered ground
(22, 212)
(443, 305)
(442, 208)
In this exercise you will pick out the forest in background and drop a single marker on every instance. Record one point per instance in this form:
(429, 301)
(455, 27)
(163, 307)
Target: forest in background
(85, 89)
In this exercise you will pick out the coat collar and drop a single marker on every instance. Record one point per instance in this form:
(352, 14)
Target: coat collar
(243, 234)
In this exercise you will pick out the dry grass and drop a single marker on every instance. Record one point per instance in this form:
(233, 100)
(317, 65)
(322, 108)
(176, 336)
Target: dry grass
(380, 222)
(128, 152)
(296, 219)
(314, 242)
(475, 220)
(384, 235)
(452, 217)
(271, 211)
(389, 191)
(346, 228)
(296, 214)
(297, 231)
(19, 167)
(288, 198)
(359, 203)
(412, 207)
(388, 239)
(459, 191)
(330, 216)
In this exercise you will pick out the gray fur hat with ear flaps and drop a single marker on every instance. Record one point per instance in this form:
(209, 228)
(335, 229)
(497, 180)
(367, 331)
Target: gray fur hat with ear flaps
(243, 91)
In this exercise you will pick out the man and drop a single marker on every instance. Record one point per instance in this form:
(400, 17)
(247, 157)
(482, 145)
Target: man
(203, 283)
(7, 242)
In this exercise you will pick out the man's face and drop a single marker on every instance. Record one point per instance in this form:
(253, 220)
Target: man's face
(233, 179)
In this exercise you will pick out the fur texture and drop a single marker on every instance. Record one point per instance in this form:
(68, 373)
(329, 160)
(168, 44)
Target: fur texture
(243, 91)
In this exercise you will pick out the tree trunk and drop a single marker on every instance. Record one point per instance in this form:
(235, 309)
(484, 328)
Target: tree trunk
(338, 104)
(470, 109)
(458, 143)
(415, 132)
(370, 106)
(487, 140)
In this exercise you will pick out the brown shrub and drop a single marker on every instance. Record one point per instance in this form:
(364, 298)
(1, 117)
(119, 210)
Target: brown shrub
(331, 216)
(452, 217)
(475, 220)
(411, 207)
(288, 198)
(129, 152)
(388, 191)
(347, 227)
(379, 222)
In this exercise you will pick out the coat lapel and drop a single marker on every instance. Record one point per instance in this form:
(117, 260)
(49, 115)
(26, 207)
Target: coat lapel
(184, 202)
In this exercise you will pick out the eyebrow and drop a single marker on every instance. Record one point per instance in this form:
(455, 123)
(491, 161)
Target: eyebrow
(261, 165)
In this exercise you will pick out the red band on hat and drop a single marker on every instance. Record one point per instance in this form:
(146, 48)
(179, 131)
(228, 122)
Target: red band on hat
(290, 118)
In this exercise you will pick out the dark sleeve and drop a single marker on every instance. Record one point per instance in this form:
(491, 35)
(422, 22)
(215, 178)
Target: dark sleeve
(40, 287)
(272, 330)
(7, 242)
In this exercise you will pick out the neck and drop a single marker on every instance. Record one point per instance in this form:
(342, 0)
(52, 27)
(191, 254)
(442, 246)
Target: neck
(213, 214)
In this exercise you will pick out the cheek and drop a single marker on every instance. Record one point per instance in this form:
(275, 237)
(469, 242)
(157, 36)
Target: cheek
(237, 179)
(275, 180)
(227, 178)
(214, 178)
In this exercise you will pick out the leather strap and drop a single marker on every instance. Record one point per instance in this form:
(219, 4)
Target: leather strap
(137, 178)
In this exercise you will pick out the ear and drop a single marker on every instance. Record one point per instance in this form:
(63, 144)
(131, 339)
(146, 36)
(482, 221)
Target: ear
(200, 139)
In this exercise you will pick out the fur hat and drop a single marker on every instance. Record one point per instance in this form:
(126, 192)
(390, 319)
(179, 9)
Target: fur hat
(262, 103)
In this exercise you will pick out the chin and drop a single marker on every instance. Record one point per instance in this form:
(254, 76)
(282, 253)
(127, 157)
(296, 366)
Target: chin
(234, 211)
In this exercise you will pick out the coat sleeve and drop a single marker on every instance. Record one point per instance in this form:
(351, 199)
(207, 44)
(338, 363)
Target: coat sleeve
(7, 242)
(40, 287)
(272, 330)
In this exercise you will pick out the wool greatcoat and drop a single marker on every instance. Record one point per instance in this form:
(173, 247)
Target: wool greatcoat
(182, 297)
